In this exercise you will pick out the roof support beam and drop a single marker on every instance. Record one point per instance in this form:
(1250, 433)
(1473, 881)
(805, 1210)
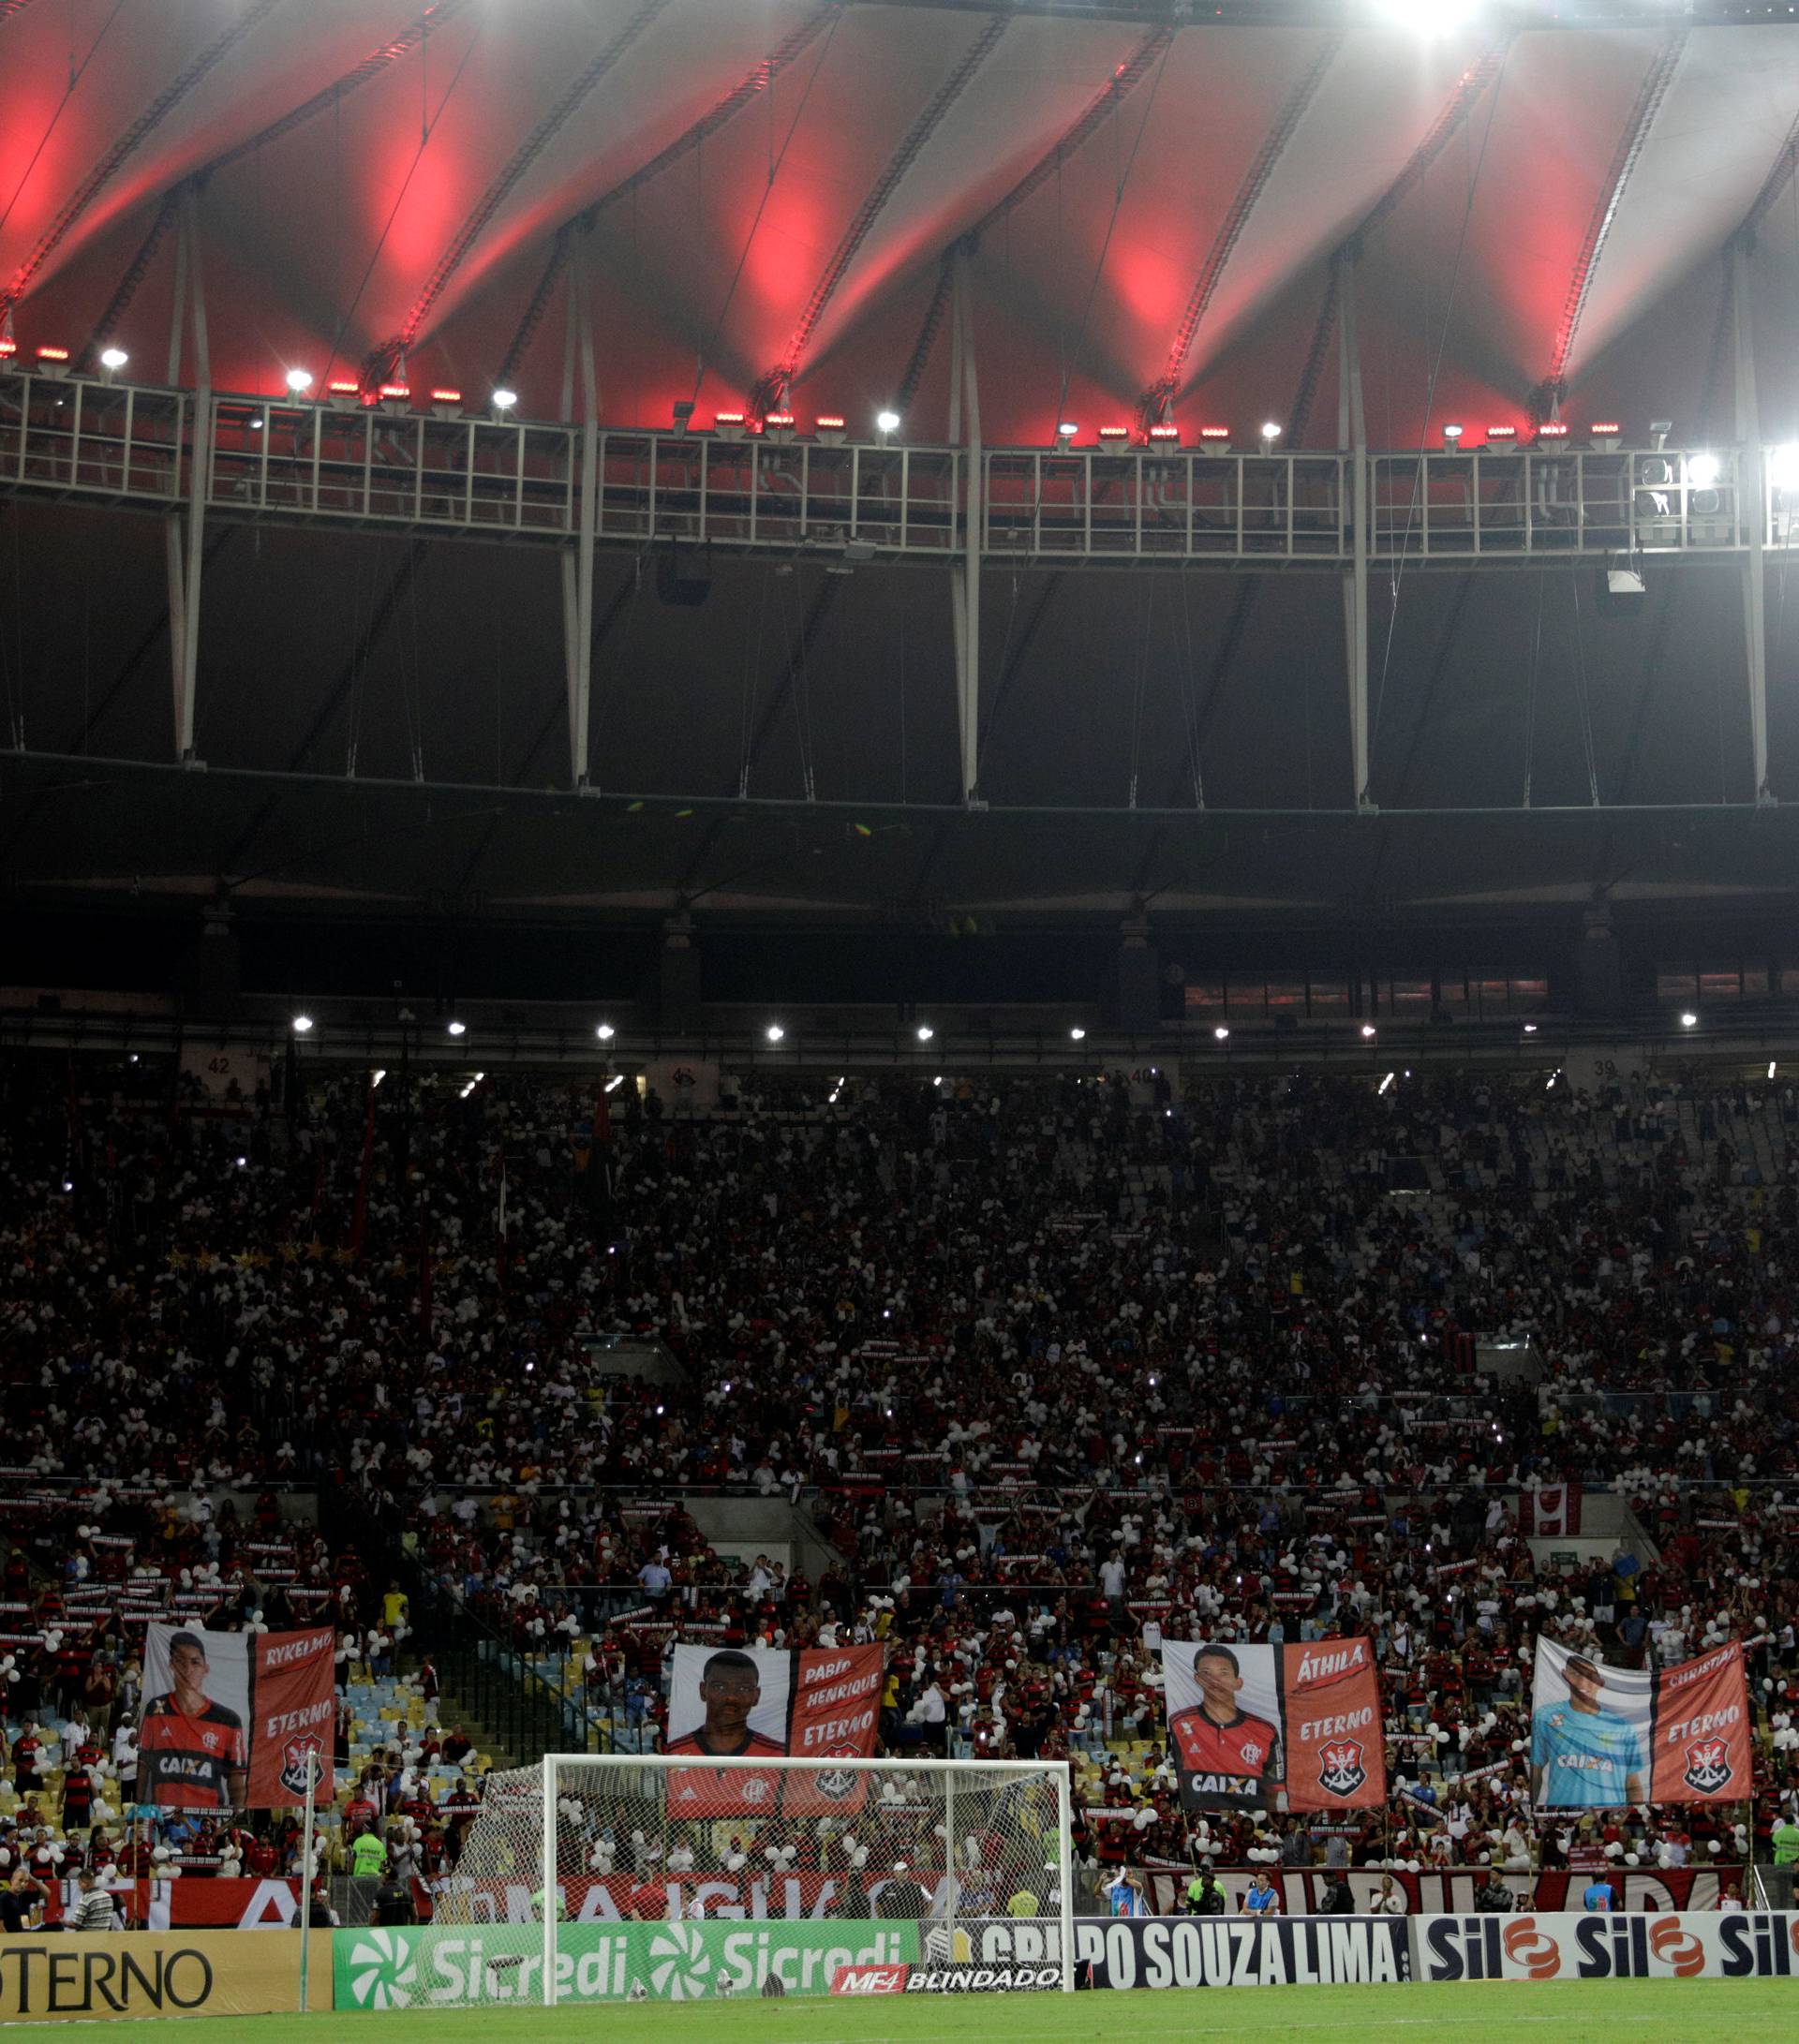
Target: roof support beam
(1651, 94)
(1751, 506)
(772, 388)
(578, 562)
(413, 36)
(381, 360)
(1117, 89)
(1155, 402)
(1779, 178)
(1355, 581)
(127, 141)
(185, 534)
(744, 94)
(965, 574)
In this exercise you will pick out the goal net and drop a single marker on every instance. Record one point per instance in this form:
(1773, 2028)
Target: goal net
(667, 1879)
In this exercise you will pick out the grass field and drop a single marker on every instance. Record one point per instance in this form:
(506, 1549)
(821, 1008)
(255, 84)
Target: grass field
(1496, 2009)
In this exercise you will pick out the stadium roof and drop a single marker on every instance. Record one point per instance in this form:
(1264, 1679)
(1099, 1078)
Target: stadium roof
(768, 193)
(1154, 191)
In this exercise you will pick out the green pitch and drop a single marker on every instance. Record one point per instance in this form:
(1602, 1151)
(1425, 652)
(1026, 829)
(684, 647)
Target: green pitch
(1498, 2009)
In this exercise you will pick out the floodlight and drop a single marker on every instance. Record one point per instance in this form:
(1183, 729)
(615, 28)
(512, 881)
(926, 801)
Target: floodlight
(456, 1029)
(1689, 1020)
(1426, 17)
(1783, 466)
(887, 421)
(1451, 434)
(605, 1033)
(1078, 1035)
(299, 379)
(774, 1033)
(1702, 470)
(926, 1032)
(114, 358)
(302, 1024)
(1367, 1032)
(504, 400)
(1221, 1033)
(1271, 432)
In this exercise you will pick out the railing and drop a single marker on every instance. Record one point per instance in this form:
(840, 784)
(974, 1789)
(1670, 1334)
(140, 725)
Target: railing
(500, 477)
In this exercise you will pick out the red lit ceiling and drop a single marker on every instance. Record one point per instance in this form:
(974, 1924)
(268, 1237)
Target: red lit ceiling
(777, 182)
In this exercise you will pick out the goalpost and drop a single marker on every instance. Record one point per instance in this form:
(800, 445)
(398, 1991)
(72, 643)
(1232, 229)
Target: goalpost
(664, 1877)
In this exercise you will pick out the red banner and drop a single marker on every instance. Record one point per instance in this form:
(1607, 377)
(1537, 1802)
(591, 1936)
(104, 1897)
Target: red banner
(274, 1905)
(1605, 1737)
(230, 1719)
(1250, 1723)
(1551, 1511)
(1330, 1700)
(1702, 1751)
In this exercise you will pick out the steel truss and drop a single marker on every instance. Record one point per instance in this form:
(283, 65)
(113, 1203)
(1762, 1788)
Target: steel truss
(193, 454)
(477, 477)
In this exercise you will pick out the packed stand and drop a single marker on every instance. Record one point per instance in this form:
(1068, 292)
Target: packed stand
(1045, 1359)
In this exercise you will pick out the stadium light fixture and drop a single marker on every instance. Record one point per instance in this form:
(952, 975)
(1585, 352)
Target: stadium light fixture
(302, 1024)
(1078, 1035)
(1451, 434)
(1702, 470)
(455, 1028)
(1222, 1033)
(926, 1032)
(1065, 431)
(1689, 1020)
(774, 1033)
(1530, 1029)
(299, 379)
(504, 400)
(605, 1033)
(1270, 433)
(1427, 17)
(1659, 431)
(1367, 1032)
(1783, 466)
(113, 360)
(886, 420)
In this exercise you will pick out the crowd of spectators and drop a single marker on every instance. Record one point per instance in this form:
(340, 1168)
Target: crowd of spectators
(1047, 1360)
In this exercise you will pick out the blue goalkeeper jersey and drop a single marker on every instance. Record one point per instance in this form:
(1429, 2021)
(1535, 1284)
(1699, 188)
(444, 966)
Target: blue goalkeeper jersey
(1586, 1756)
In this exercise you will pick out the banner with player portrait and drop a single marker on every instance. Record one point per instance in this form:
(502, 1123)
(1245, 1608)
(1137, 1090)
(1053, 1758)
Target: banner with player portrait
(1602, 1738)
(1249, 1725)
(818, 1703)
(231, 1719)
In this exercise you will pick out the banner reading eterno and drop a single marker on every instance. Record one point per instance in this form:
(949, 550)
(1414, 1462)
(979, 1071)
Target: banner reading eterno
(142, 1973)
